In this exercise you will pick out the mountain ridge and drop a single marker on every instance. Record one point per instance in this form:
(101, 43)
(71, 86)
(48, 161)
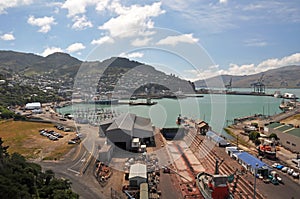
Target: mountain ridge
(283, 77)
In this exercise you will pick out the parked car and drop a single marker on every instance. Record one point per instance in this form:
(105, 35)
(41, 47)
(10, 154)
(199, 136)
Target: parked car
(295, 174)
(52, 137)
(279, 167)
(284, 169)
(59, 135)
(71, 142)
(275, 165)
(166, 169)
(290, 171)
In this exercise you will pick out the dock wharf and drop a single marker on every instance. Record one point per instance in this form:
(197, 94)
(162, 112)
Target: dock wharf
(206, 151)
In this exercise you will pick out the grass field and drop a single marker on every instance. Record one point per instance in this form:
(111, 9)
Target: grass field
(24, 138)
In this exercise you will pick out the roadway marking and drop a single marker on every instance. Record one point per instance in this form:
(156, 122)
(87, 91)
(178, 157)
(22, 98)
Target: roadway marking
(78, 152)
(72, 170)
(82, 170)
(80, 160)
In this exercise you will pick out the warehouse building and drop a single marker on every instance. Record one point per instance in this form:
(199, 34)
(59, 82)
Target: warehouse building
(289, 136)
(251, 163)
(124, 129)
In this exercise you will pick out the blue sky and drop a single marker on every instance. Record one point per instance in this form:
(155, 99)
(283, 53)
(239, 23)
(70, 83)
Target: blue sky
(195, 39)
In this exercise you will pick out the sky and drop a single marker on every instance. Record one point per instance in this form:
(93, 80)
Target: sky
(194, 39)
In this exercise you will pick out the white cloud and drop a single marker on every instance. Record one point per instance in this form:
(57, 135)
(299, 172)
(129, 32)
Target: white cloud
(5, 4)
(132, 55)
(75, 47)
(223, 1)
(245, 69)
(248, 69)
(197, 74)
(276, 63)
(44, 23)
(102, 40)
(7, 37)
(141, 42)
(132, 21)
(76, 7)
(256, 42)
(81, 23)
(51, 50)
(174, 40)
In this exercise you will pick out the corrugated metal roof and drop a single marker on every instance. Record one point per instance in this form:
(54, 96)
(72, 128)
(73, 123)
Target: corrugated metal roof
(217, 138)
(138, 170)
(274, 125)
(295, 132)
(250, 160)
(143, 123)
(284, 128)
(123, 122)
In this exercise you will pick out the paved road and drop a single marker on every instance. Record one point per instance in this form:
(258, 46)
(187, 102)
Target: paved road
(78, 165)
(83, 184)
(290, 189)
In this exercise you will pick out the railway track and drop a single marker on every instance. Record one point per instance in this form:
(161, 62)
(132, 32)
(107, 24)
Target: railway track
(203, 150)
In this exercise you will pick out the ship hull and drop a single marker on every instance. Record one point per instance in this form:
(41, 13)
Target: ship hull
(208, 191)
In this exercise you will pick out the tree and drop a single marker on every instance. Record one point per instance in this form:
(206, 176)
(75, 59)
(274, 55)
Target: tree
(257, 142)
(3, 151)
(273, 135)
(22, 179)
(254, 135)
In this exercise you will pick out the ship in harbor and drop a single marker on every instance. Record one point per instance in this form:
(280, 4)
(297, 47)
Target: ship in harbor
(214, 186)
(102, 100)
(147, 103)
(287, 105)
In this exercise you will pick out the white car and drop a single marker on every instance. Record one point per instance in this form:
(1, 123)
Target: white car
(284, 169)
(295, 174)
(275, 165)
(290, 171)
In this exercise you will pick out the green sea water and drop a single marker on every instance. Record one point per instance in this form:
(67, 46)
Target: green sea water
(217, 110)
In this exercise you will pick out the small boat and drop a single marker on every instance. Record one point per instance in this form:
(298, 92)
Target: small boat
(147, 103)
(277, 94)
(106, 101)
(213, 186)
(287, 106)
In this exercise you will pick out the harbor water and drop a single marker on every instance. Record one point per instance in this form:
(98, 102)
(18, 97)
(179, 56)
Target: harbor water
(218, 110)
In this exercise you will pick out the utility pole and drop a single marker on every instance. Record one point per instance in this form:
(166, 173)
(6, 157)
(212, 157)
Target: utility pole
(255, 173)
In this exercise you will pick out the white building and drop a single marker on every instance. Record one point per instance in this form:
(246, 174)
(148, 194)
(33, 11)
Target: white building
(137, 174)
(33, 106)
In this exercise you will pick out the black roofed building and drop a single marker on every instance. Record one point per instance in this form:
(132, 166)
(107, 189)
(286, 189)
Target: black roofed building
(122, 131)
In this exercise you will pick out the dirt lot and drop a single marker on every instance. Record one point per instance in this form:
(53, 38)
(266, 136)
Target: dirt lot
(295, 120)
(24, 138)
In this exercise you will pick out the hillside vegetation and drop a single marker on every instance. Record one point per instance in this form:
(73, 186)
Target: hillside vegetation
(22, 179)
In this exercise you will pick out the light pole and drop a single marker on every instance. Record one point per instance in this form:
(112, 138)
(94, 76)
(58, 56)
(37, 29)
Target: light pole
(255, 173)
